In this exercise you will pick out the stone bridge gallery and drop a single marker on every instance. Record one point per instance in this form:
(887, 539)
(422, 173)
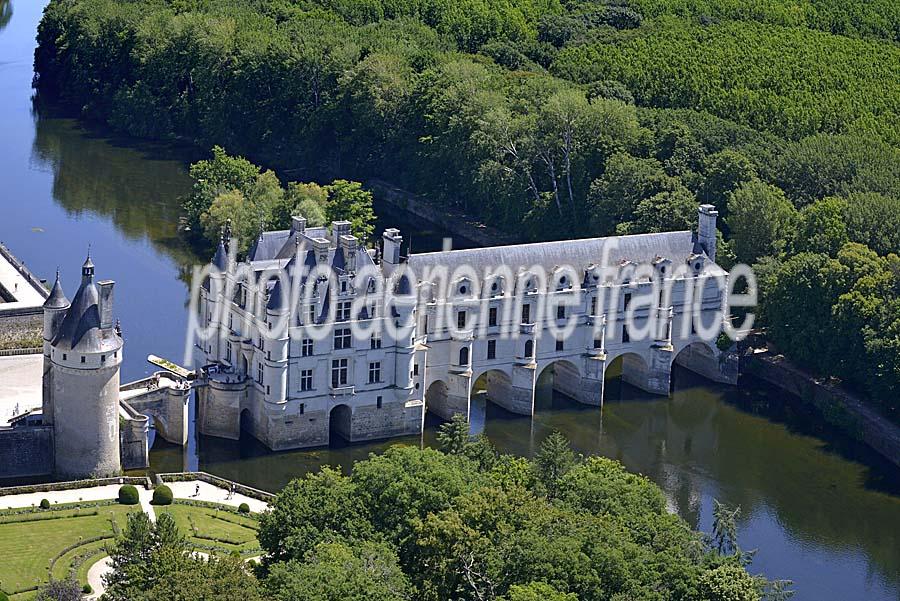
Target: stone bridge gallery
(340, 361)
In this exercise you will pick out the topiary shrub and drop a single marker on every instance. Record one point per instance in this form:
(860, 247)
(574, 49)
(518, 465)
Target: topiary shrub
(45, 504)
(128, 495)
(162, 495)
(243, 508)
(87, 589)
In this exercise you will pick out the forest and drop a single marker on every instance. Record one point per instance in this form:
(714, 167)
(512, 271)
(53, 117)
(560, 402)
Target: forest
(552, 119)
(462, 523)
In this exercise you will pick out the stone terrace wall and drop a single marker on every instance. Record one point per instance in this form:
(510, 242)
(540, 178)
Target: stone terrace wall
(26, 452)
(21, 328)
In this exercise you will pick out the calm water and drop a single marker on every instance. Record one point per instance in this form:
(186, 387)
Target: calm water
(822, 511)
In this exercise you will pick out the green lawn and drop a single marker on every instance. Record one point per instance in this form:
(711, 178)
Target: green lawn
(212, 530)
(32, 541)
(27, 548)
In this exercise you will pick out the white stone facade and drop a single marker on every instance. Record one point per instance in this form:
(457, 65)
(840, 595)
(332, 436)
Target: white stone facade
(446, 320)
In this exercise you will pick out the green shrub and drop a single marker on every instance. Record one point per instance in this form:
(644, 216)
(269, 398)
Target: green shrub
(243, 508)
(87, 589)
(162, 495)
(3, 596)
(128, 495)
(45, 504)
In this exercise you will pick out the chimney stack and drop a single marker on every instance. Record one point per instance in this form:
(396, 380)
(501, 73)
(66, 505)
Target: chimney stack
(105, 304)
(707, 230)
(298, 224)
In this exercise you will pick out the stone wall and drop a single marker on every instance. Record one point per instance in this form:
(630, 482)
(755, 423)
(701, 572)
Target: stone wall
(21, 328)
(451, 220)
(26, 452)
(837, 406)
(396, 418)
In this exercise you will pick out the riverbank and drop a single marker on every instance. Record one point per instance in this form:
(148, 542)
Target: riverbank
(837, 406)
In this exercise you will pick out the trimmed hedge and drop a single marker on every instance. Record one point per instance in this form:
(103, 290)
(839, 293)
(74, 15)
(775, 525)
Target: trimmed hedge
(162, 495)
(45, 504)
(87, 589)
(128, 495)
(243, 508)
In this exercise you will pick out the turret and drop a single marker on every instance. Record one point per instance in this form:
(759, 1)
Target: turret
(55, 308)
(275, 354)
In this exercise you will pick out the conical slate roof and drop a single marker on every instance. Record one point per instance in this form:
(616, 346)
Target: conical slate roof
(220, 259)
(57, 298)
(80, 330)
(276, 301)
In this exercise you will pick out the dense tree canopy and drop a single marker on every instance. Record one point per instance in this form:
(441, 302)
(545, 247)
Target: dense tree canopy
(552, 119)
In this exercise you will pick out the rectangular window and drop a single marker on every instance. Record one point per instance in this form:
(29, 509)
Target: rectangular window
(374, 372)
(259, 372)
(492, 349)
(561, 312)
(526, 313)
(627, 301)
(65, 357)
(268, 390)
(415, 369)
(593, 305)
(228, 352)
(230, 321)
(311, 314)
(306, 380)
(378, 402)
(559, 345)
(82, 358)
(598, 343)
(375, 341)
(306, 347)
(339, 372)
(343, 311)
(302, 409)
(342, 338)
(492, 316)
(102, 358)
(625, 336)
(461, 320)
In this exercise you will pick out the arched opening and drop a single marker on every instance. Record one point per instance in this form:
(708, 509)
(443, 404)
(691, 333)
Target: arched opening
(622, 375)
(339, 425)
(156, 435)
(491, 398)
(529, 349)
(436, 405)
(246, 423)
(556, 385)
(464, 355)
(699, 358)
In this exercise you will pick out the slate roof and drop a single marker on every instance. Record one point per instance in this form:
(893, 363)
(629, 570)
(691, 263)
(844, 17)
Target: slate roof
(57, 298)
(639, 248)
(80, 330)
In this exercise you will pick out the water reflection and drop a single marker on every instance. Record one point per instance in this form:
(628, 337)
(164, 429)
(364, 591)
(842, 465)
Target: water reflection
(6, 11)
(803, 501)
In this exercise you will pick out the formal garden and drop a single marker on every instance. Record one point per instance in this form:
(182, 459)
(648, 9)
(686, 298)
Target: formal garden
(47, 541)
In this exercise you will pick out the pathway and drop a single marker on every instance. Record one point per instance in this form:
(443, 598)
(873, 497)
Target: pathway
(95, 576)
(20, 386)
(95, 493)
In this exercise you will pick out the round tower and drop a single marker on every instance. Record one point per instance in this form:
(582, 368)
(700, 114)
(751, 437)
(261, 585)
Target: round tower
(85, 358)
(55, 308)
(276, 351)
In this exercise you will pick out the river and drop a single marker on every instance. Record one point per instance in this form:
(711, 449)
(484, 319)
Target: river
(821, 510)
